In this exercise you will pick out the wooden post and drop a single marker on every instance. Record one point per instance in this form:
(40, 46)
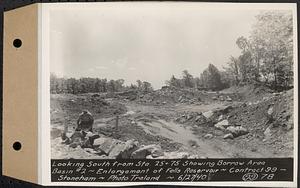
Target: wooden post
(64, 133)
(117, 122)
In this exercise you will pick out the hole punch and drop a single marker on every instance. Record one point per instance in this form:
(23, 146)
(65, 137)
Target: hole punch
(17, 146)
(17, 43)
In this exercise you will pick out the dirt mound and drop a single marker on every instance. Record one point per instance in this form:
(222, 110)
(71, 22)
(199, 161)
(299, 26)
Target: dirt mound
(211, 124)
(192, 118)
(168, 95)
(283, 109)
(248, 92)
(270, 120)
(262, 126)
(275, 109)
(205, 119)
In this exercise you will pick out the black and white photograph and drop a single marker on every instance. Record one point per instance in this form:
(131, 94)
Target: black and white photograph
(172, 81)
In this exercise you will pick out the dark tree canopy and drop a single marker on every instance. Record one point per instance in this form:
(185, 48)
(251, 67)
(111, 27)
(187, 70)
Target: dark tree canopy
(267, 55)
(211, 78)
(93, 85)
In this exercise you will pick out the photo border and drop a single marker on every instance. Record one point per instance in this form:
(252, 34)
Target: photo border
(6, 5)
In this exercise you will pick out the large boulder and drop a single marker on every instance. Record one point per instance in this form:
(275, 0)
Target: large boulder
(228, 136)
(270, 111)
(221, 98)
(222, 124)
(115, 149)
(208, 114)
(237, 130)
(180, 98)
(104, 144)
(208, 136)
(126, 151)
(200, 119)
(228, 99)
(149, 157)
(153, 150)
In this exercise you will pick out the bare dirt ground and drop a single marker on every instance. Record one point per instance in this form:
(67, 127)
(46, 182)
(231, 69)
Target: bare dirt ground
(183, 121)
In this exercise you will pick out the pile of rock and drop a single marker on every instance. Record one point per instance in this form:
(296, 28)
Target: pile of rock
(232, 131)
(195, 118)
(116, 149)
(222, 98)
(223, 124)
(184, 99)
(129, 95)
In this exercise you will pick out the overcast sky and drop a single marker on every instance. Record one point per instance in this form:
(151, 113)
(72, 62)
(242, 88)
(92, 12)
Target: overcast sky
(148, 41)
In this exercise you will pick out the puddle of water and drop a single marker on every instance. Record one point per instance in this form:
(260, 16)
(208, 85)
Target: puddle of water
(102, 122)
(98, 125)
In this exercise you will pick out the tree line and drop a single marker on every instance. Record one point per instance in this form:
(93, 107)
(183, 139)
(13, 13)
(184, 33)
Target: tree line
(266, 58)
(210, 79)
(93, 85)
(267, 55)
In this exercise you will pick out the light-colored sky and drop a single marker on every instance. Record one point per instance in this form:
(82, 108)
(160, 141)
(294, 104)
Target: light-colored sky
(148, 42)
